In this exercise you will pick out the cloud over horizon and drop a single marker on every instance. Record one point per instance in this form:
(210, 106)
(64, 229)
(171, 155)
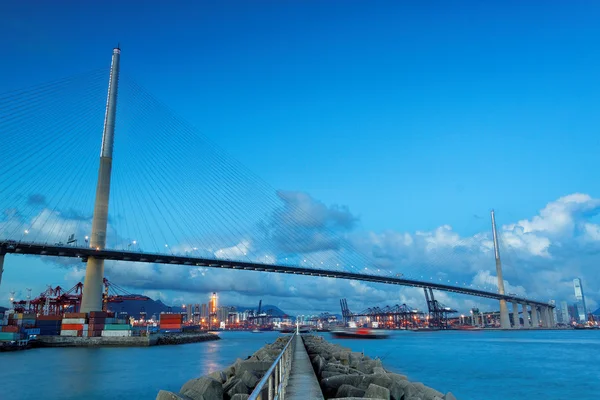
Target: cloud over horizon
(541, 256)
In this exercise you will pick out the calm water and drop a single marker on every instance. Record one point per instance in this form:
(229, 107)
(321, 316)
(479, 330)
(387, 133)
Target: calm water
(473, 365)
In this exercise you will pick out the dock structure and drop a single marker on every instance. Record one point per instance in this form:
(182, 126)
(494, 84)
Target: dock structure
(302, 383)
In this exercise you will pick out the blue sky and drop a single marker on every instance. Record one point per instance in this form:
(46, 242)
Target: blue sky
(412, 115)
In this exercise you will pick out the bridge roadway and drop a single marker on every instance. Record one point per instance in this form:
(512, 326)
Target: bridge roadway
(13, 247)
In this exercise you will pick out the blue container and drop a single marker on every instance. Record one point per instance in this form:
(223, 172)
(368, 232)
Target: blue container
(32, 331)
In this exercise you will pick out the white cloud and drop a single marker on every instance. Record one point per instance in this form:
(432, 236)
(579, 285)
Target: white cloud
(541, 255)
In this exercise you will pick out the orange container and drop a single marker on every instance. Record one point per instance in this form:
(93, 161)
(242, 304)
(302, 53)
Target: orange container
(10, 328)
(170, 326)
(72, 327)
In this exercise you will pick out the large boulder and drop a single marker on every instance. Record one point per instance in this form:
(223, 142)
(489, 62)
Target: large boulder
(349, 391)
(238, 388)
(318, 364)
(250, 379)
(396, 391)
(256, 367)
(379, 380)
(166, 395)
(431, 394)
(219, 376)
(240, 396)
(332, 384)
(377, 392)
(355, 358)
(203, 388)
(366, 366)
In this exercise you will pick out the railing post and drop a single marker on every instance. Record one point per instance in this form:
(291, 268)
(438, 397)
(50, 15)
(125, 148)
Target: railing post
(270, 385)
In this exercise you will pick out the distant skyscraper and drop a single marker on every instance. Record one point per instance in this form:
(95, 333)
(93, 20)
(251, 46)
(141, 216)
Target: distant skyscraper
(564, 310)
(189, 312)
(581, 310)
(212, 304)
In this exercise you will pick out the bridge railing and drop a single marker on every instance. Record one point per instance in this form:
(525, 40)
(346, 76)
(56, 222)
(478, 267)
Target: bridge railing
(272, 384)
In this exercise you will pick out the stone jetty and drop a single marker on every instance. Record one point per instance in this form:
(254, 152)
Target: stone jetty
(235, 382)
(344, 374)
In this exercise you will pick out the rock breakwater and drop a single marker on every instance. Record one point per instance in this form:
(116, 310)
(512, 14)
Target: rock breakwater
(182, 338)
(344, 374)
(235, 382)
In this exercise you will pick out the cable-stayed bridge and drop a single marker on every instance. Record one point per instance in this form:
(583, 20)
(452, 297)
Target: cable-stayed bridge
(175, 197)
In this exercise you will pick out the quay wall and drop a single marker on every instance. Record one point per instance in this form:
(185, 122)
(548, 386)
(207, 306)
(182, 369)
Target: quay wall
(125, 341)
(235, 382)
(344, 374)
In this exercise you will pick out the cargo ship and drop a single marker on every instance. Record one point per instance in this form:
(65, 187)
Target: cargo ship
(359, 333)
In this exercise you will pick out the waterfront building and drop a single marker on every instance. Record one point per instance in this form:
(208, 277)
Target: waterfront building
(204, 311)
(581, 310)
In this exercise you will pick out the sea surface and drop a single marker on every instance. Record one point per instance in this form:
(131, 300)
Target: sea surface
(485, 365)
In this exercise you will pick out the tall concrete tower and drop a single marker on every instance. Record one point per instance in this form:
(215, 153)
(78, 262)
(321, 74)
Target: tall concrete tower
(581, 310)
(94, 273)
(504, 320)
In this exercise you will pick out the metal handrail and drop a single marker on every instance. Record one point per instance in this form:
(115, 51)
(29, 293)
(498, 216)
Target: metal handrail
(271, 386)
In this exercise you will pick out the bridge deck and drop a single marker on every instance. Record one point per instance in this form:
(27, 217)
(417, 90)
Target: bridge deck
(13, 247)
(303, 383)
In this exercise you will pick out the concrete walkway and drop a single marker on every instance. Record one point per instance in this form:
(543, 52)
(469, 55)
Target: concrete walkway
(303, 383)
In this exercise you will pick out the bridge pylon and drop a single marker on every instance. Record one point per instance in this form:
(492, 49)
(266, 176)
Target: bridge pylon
(504, 318)
(94, 272)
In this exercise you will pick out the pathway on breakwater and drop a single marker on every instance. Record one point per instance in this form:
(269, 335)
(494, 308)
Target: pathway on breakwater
(303, 383)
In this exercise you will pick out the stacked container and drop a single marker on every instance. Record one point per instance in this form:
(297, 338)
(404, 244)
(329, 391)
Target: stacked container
(74, 324)
(115, 327)
(49, 325)
(11, 331)
(170, 322)
(96, 323)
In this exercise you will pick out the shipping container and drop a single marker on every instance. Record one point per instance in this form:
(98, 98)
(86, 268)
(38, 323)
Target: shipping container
(49, 318)
(72, 327)
(73, 321)
(75, 315)
(9, 336)
(170, 330)
(98, 314)
(110, 320)
(97, 320)
(10, 328)
(117, 327)
(170, 326)
(32, 331)
(70, 332)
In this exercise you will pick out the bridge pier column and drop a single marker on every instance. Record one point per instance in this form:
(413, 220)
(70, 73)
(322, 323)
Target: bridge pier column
(526, 324)
(535, 323)
(516, 322)
(91, 299)
(552, 321)
(504, 318)
(543, 317)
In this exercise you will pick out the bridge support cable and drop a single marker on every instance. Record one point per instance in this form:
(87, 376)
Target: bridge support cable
(233, 199)
(45, 143)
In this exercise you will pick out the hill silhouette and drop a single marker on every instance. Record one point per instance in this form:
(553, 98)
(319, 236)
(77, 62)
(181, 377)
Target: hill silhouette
(134, 307)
